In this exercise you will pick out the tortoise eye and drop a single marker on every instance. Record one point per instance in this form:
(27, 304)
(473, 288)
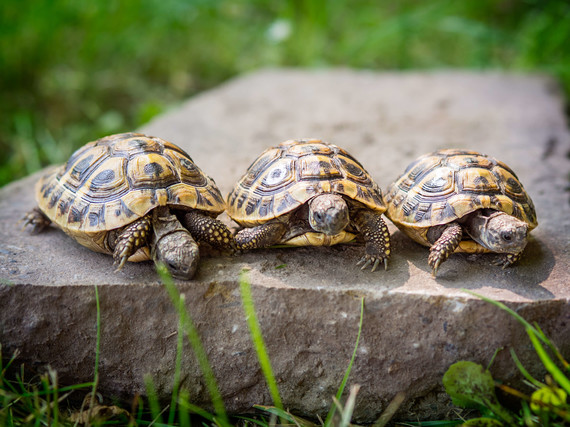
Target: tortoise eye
(318, 216)
(507, 236)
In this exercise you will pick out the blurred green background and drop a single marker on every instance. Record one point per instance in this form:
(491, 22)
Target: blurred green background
(74, 71)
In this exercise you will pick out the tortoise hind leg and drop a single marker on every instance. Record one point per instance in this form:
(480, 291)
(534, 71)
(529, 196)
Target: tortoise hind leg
(133, 237)
(37, 220)
(444, 246)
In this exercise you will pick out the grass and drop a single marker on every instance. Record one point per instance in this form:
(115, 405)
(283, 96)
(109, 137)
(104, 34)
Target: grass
(41, 401)
(472, 386)
(32, 402)
(75, 71)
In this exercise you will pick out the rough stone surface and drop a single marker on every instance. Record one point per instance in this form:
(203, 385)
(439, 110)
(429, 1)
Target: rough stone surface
(308, 299)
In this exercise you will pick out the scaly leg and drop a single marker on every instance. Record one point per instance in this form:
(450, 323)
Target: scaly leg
(505, 260)
(376, 237)
(133, 237)
(210, 230)
(444, 246)
(37, 220)
(261, 236)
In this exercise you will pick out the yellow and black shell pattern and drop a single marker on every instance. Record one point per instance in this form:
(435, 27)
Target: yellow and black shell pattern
(446, 185)
(111, 182)
(285, 177)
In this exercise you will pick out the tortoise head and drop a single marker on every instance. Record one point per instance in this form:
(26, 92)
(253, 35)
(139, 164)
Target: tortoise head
(173, 245)
(179, 253)
(499, 232)
(328, 214)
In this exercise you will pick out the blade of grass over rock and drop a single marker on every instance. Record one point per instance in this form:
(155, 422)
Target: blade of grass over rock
(61, 390)
(178, 363)
(331, 412)
(432, 423)
(152, 399)
(183, 413)
(196, 343)
(257, 338)
(548, 363)
(97, 352)
(189, 407)
(51, 384)
(535, 329)
(284, 415)
(539, 334)
(523, 371)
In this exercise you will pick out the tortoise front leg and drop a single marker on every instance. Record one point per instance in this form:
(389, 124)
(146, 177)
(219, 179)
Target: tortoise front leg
(261, 236)
(210, 230)
(376, 237)
(505, 260)
(37, 220)
(133, 237)
(444, 246)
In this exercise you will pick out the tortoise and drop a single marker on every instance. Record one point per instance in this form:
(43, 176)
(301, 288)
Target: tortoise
(308, 192)
(462, 201)
(136, 197)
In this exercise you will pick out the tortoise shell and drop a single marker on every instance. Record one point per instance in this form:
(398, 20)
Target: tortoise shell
(285, 177)
(446, 185)
(113, 181)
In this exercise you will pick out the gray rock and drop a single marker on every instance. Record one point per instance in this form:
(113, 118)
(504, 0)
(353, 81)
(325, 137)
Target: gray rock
(308, 299)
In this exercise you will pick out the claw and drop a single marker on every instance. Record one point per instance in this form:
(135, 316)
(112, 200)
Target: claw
(361, 260)
(366, 264)
(435, 268)
(120, 262)
(375, 265)
(385, 263)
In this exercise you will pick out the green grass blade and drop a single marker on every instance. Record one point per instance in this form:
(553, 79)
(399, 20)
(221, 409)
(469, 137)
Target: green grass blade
(178, 363)
(338, 396)
(62, 389)
(97, 352)
(152, 399)
(536, 330)
(183, 413)
(502, 306)
(525, 373)
(558, 376)
(196, 343)
(552, 347)
(189, 407)
(432, 423)
(284, 415)
(257, 338)
(52, 375)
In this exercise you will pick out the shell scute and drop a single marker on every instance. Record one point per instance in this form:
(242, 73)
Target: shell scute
(317, 167)
(284, 177)
(79, 168)
(443, 186)
(108, 183)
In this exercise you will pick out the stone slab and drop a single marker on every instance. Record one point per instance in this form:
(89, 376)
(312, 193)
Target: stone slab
(308, 299)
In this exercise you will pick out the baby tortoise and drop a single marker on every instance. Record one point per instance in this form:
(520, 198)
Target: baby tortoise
(136, 197)
(309, 193)
(462, 201)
